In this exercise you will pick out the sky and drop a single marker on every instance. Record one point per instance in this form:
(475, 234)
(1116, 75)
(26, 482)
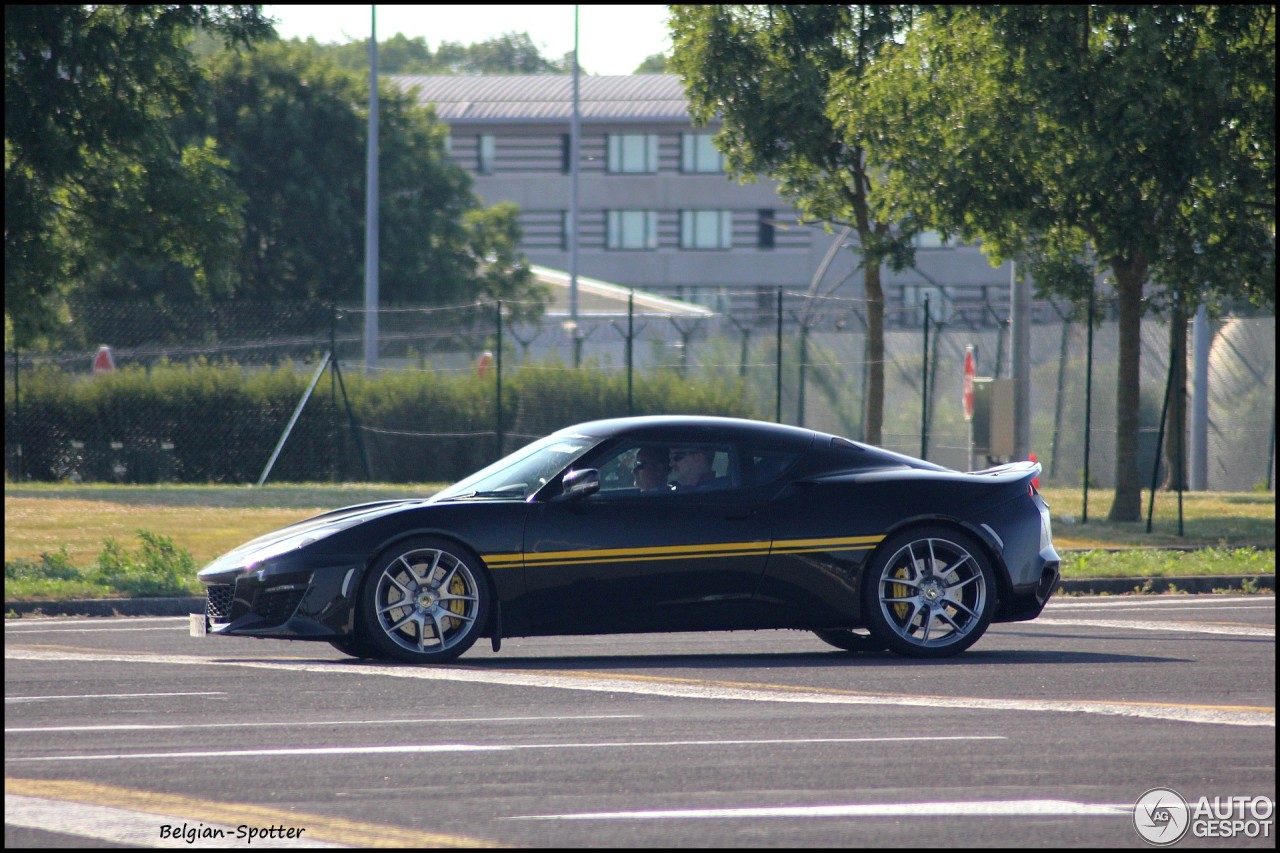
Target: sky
(611, 39)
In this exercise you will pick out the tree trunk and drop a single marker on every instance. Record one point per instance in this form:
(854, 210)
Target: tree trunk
(874, 392)
(1131, 274)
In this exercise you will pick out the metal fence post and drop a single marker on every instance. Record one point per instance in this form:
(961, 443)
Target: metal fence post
(1088, 407)
(17, 411)
(777, 414)
(924, 388)
(804, 355)
(631, 337)
(497, 404)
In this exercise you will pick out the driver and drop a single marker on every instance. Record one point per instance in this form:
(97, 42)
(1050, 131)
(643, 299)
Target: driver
(651, 469)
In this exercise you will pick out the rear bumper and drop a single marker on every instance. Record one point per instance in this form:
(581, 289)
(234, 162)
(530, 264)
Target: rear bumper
(1028, 601)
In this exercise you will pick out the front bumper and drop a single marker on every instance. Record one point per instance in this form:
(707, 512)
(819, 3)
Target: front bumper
(281, 603)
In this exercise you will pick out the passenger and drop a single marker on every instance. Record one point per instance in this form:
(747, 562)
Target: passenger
(692, 467)
(651, 469)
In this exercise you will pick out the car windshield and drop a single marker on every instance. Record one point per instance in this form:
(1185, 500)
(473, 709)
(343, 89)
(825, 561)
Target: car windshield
(522, 473)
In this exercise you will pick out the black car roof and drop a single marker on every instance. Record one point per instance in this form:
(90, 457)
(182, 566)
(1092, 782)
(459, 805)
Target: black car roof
(660, 424)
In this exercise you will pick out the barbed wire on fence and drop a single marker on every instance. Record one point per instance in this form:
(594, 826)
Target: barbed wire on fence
(818, 343)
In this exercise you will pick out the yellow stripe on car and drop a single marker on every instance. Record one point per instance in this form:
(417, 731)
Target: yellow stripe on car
(680, 552)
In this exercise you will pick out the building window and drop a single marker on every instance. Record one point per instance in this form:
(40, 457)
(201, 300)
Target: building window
(706, 229)
(485, 149)
(698, 154)
(633, 153)
(765, 236)
(566, 153)
(632, 229)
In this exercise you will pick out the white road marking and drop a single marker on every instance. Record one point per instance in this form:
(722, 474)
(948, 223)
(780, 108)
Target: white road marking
(9, 700)
(1167, 627)
(689, 689)
(996, 808)
(113, 629)
(126, 826)
(322, 723)
(22, 625)
(431, 748)
(1153, 602)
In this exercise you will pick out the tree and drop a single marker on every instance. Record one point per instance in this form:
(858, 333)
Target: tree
(766, 73)
(92, 167)
(294, 126)
(655, 63)
(510, 53)
(1135, 139)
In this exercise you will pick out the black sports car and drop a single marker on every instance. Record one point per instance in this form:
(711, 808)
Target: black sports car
(657, 524)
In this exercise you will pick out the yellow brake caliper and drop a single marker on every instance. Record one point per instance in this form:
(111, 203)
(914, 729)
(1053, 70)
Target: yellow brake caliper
(457, 605)
(898, 590)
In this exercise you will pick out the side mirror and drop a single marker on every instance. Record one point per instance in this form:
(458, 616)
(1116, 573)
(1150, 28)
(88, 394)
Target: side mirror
(578, 484)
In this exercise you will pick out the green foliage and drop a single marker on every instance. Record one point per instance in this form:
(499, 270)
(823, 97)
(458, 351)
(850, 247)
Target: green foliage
(200, 422)
(767, 73)
(655, 63)
(158, 568)
(1152, 563)
(294, 125)
(509, 53)
(1134, 139)
(134, 172)
(55, 566)
(93, 166)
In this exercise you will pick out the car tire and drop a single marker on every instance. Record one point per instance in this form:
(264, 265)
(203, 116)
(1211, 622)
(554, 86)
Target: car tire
(355, 647)
(850, 640)
(426, 600)
(929, 592)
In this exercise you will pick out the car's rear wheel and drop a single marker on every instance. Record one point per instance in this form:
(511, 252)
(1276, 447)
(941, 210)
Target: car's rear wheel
(929, 593)
(425, 601)
(850, 640)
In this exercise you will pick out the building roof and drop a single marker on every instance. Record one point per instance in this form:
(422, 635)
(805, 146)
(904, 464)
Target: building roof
(529, 98)
(602, 299)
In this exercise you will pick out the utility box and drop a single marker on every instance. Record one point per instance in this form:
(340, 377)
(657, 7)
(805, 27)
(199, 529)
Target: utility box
(993, 417)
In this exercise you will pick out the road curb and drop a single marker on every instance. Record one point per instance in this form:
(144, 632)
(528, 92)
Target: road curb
(1093, 586)
(107, 607)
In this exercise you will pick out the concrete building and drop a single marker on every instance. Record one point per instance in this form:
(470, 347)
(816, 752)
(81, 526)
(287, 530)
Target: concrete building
(655, 208)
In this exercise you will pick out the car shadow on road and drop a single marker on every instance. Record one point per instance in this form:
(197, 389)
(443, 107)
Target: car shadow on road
(790, 660)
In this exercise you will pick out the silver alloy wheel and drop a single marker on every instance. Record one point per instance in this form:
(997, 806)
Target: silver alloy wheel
(933, 595)
(427, 601)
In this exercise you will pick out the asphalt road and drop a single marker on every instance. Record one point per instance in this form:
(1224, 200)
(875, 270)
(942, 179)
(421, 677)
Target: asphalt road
(128, 731)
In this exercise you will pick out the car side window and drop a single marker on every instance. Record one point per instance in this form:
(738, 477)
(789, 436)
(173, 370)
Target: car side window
(768, 465)
(633, 469)
(655, 468)
(701, 465)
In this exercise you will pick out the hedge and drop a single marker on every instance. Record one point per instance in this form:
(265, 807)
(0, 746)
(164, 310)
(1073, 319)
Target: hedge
(199, 422)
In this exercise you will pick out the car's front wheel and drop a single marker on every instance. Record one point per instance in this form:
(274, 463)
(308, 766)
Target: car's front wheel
(929, 593)
(425, 601)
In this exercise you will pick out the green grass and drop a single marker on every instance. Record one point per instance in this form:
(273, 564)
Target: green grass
(1217, 519)
(56, 535)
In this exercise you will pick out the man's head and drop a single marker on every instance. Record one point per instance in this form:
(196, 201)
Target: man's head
(651, 468)
(692, 466)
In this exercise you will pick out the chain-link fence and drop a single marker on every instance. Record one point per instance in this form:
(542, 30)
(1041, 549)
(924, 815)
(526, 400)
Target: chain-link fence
(787, 357)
